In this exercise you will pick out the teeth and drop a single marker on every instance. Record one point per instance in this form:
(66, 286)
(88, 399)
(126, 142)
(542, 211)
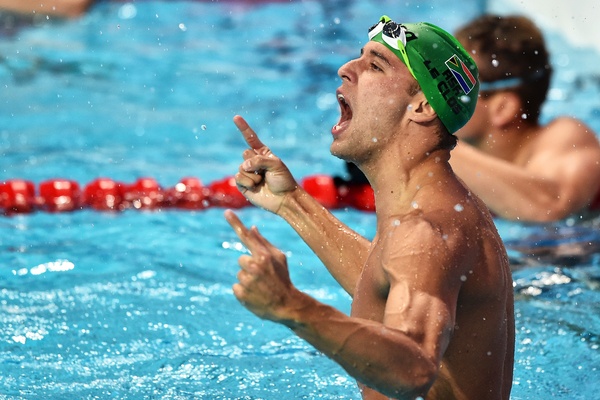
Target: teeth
(341, 97)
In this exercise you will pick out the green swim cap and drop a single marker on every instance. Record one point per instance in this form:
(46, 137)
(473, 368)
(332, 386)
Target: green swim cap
(446, 73)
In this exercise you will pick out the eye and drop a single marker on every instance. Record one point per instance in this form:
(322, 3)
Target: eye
(375, 67)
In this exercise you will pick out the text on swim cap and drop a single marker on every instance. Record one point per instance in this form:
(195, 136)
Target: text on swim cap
(448, 86)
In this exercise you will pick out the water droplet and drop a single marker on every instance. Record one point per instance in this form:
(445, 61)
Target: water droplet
(414, 205)
(523, 116)
(127, 11)
(463, 278)
(203, 127)
(495, 63)
(182, 27)
(458, 207)
(396, 222)
(465, 99)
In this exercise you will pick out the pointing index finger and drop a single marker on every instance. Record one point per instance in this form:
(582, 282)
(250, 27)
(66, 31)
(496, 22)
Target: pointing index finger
(246, 236)
(248, 133)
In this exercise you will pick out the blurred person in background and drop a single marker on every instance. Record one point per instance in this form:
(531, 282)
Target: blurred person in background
(522, 169)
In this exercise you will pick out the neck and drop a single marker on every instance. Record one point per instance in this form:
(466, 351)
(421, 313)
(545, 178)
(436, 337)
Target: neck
(398, 182)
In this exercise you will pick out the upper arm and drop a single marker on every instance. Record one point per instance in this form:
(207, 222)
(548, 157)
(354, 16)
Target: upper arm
(423, 271)
(571, 165)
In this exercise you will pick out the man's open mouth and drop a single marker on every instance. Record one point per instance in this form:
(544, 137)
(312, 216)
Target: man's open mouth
(345, 111)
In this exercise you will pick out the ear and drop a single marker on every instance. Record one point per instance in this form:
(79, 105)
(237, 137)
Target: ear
(504, 108)
(420, 110)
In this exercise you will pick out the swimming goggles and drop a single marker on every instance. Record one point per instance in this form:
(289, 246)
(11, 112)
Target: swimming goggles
(510, 83)
(501, 84)
(394, 36)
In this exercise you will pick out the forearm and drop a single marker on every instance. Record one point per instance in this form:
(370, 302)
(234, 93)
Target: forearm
(342, 250)
(509, 191)
(69, 8)
(381, 358)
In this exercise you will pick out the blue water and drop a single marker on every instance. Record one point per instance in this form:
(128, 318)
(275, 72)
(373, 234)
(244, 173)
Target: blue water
(138, 305)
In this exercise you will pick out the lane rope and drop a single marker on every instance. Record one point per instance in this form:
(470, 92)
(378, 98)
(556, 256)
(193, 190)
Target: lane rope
(19, 196)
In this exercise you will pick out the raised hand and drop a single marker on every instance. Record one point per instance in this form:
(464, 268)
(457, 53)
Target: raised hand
(264, 285)
(263, 178)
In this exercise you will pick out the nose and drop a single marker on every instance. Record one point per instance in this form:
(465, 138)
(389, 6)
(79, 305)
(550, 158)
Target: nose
(347, 72)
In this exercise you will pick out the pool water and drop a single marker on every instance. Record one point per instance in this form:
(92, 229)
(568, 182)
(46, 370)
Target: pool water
(138, 304)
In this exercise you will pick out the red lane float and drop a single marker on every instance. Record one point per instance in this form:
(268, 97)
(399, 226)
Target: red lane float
(224, 193)
(145, 193)
(103, 194)
(59, 195)
(333, 195)
(19, 196)
(322, 188)
(189, 194)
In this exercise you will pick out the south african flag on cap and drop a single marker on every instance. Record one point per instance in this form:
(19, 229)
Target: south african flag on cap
(465, 78)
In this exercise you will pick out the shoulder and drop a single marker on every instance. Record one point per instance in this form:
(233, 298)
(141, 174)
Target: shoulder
(406, 227)
(433, 251)
(567, 122)
(411, 245)
(563, 138)
(568, 129)
(434, 234)
(409, 234)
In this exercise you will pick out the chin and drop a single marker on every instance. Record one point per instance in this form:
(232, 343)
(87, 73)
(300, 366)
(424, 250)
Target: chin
(339, 148)
(335, 151)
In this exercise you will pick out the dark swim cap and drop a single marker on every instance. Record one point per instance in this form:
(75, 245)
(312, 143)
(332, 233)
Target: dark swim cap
(446, 73)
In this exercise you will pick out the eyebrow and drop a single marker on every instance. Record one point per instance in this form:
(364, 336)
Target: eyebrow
(378, 55)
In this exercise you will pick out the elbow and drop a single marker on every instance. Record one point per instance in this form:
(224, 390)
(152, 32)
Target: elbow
(416, 384)
(424, 379)
(552, 212)
(550, 216)
(67, 8)
(539, 216)
(76, 8)
(542, 212)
